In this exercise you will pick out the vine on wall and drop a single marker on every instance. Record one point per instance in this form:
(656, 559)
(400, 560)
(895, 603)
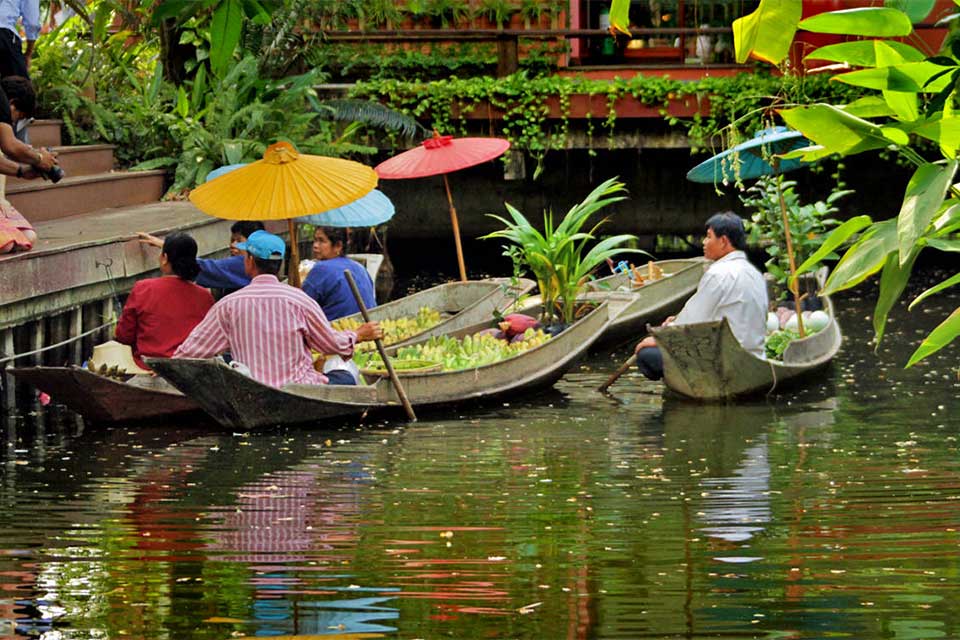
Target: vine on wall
(746, 101)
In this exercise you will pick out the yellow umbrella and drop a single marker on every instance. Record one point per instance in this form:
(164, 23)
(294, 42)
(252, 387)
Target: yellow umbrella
(284, 185)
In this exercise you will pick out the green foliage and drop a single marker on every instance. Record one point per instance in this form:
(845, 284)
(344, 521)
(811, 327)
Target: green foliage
(536, 108)
(558, 257)
(808, 223)
(916, 103)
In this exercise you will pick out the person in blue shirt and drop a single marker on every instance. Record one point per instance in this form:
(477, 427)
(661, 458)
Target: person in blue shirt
(326, 283)
(226, 274)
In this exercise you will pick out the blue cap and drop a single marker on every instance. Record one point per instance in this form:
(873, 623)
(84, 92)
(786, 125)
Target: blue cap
(263, 245)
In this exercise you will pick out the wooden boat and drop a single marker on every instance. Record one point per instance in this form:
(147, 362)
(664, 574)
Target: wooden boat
(108, 400)
(239, 402)
(706, 362)
(462, 304)
(652, 302)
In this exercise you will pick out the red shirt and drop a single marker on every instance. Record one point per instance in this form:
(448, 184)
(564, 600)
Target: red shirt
(159, 315)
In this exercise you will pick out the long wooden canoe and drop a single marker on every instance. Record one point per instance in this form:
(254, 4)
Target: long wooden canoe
(107, 400)
(239, 402)
(706, 362)
(652, 302)
(462, 304)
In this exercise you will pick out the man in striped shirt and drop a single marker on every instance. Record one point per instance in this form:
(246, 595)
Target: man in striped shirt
(271, 327)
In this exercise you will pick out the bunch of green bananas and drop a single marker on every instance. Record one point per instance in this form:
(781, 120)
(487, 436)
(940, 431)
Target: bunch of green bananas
(455, 354)
(394, 329)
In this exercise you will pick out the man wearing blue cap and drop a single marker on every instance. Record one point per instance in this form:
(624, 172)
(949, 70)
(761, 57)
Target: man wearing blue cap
(272, 327)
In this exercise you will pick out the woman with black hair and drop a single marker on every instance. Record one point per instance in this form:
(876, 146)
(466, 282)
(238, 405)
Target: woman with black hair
(161, 312)
(326, 284)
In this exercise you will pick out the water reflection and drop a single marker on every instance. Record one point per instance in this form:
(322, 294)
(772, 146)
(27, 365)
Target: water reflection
(826, 512)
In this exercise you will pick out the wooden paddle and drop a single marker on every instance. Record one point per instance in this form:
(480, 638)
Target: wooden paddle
(394, 378)
(632, 360)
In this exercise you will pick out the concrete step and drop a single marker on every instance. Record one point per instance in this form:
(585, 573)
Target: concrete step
(46, 133)
(40, 200)
(84, 160)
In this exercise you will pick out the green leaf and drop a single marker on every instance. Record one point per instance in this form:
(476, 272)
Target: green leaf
(893, 280)
(875, 22)
(834, 129)
(946, 284)
(155, 163)
(864, 258)
(199, 89)
(183, 103)
(916, 10)
(904, 103)
(767, 33)
(910, 76)
(620, 16)
(225, 28)
(944, 245)
(862, 53)
(944, 131)
(921, 203)
(945, 333)
(836, 238)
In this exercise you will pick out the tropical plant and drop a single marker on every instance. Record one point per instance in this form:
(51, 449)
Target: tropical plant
(448, 12)
(558, 257)
(909, 100)
(497, 11)
(809, 223)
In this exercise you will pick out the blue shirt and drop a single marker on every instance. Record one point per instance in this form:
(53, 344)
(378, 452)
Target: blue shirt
(327, 285)
(222, 273)
(11, 12)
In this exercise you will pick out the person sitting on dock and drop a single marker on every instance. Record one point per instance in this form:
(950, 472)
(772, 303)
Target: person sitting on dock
(21, 161)
(731, 288)
(161, 312)
(226, 274)
(272, 327)
(325, 282)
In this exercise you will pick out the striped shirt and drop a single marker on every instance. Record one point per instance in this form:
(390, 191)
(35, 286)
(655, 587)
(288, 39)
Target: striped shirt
(271, 328)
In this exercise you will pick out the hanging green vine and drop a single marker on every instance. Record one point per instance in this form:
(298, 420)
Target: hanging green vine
(535, 111)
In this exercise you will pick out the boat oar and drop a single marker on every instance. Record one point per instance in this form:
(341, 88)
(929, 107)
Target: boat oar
(394, 378)
(632, 360)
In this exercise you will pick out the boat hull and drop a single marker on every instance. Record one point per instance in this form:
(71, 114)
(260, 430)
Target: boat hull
(106, 400)
(239, 402)
(706, 362)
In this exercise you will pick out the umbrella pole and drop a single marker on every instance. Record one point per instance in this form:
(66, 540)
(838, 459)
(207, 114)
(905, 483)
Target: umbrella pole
(456, 230)
(794, 284)
(293, 265)
(394, 378)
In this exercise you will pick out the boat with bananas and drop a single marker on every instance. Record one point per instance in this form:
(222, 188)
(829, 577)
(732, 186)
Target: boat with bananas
(106, 399)
(442, 309)
(706, 362)
(434, 311)
(657, 289)
(240, 402)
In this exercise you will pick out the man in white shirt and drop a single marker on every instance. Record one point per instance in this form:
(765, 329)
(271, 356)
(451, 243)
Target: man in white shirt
(731, 288)
(14, 61)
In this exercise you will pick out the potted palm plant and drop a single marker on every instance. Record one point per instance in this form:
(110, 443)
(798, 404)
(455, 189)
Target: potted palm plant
(561, 258)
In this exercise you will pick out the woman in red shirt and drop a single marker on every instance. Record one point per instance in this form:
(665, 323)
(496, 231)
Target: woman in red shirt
(161, 312)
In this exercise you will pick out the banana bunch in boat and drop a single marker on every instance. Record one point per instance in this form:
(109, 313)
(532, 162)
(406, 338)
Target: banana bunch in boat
(455, 354)
(394, 329)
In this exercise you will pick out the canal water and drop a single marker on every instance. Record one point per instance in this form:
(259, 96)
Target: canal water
(829, 512)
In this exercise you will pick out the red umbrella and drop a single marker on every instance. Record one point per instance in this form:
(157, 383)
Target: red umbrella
(442, 155)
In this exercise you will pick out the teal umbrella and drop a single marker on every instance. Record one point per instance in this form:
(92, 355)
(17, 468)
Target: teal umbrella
(754, 158)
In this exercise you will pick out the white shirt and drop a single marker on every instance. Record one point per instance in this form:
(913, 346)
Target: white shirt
(732, 288)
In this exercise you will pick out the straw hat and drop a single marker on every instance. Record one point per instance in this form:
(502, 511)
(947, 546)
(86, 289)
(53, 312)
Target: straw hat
(113, 353)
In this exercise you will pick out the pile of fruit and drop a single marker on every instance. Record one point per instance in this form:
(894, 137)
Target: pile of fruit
(783, 328)
(396, 329)
(455, 354)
